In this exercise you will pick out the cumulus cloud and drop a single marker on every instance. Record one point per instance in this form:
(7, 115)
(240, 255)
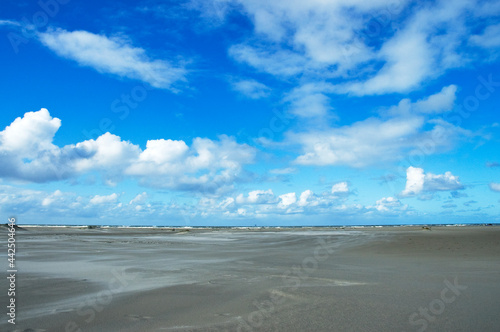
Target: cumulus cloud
(389, 204)
(340, 188)
(257, 197)
(27, 153)
(265, 202)
(306, 197)
(207, 165)
(251, 89)
(495, 186)
(112, 55)
(38, 206)
(417, 182)
(30, 134)
(98, 199)
(362, 143)
(105, 152)
(287, 199)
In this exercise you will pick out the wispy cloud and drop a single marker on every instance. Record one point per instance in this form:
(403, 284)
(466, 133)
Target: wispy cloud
(490, 38)
(251, 88)
(113, 56)
(334, 41)
(10, 23)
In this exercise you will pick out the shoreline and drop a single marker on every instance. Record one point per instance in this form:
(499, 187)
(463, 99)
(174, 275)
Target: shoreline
(286, 279)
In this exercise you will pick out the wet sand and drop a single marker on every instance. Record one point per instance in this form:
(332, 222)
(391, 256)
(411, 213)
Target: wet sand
(321, 279)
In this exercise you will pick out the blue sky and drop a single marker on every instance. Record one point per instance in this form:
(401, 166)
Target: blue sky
(250, 112)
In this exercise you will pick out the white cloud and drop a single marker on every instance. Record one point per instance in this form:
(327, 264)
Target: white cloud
(10, 23)
(207, 165)
(287, 199)
(400, 129)
(260, 203)
(281, 62)
(27, 153)
(139, 199)
(251, 89)
(442, 101)
(37, 207)
(389, 204)
(495, 186)
(490, 38)
(108, 151)
(415, 179)
(52, 198)
(407, 63)
(163, 151)
(360, 144)
(318, 40)
(418, 182)
(340, 188)
(257, 197)
(305, 198)
(98, 199)
(437, 103)
(442, 182)
(112, 55)
(309, 100)
(373, 47)
(30, 134)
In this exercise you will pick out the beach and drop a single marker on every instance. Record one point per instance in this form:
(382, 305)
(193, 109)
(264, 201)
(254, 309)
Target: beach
(410, 278)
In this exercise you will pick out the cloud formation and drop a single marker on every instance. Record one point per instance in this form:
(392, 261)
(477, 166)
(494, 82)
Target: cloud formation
(495, 186)
(340, 188)
(360, 144)
(251, 88)
(390, 204)
(98, 199)
(417, 182)
(398, 130)
(27, 153)
(389, 46)
(112, 55)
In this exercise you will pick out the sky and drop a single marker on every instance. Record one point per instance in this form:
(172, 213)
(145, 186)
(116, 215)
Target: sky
(250, 112)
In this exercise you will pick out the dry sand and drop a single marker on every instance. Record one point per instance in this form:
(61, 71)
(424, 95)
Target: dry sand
(371, 279)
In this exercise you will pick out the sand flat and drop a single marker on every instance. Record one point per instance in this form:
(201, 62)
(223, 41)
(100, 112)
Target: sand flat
(321, 279)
